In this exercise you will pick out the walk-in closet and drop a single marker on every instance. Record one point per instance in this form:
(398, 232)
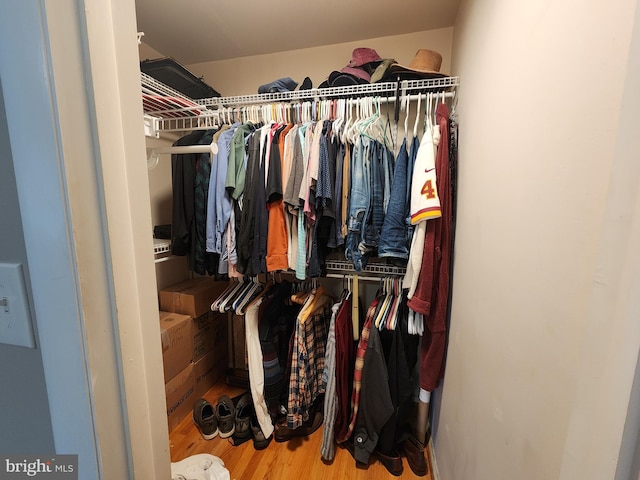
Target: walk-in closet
(535, 375)
(256, 218)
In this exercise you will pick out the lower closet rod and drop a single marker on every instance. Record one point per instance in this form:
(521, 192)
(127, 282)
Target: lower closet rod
(154, 153)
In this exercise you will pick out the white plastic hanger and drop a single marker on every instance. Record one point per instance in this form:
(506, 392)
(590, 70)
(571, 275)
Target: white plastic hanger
(406, 105)
(418, 112)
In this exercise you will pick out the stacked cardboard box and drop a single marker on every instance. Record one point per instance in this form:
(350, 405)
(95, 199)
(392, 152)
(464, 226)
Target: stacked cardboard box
(194, 343)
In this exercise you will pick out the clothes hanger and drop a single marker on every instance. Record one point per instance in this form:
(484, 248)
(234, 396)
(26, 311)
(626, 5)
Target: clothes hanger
(378, 321)
(348, 105)
(309, 304)
(240, 296)
(339, 118)
(355, 127)
(388, 132)
(230, 298)
(407, 108)
(222, 307)
(216, 303)
(257, 289)
(435, 107)
(355, 309)
(368, 120)
(418, 112)
(393, 313)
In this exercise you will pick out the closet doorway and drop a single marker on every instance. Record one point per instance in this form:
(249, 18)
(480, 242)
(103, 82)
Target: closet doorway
(97, 55)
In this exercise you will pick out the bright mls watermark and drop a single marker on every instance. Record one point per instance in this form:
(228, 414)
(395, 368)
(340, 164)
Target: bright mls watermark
(50, 467)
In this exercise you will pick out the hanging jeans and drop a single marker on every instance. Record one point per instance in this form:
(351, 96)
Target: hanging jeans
(358, 207)
(393, 237)
(375, 218)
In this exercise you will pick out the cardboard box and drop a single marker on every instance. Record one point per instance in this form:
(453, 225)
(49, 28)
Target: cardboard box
(208, 331)
(210, 369)
(177, 343)
(181, 395)
(191, 297)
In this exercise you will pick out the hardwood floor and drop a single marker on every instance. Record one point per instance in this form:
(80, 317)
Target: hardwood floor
(296, 459)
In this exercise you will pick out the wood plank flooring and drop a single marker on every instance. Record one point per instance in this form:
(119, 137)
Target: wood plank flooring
(297, 459)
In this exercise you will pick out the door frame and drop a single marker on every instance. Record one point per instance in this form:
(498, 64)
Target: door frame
(70, 80)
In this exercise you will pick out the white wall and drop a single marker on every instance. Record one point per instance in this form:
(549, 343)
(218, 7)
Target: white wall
(243, 76)
(542, 347)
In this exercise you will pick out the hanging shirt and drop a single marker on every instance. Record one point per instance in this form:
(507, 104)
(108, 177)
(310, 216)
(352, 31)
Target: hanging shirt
(307, 367)
(277, 242)
(425, 203)
(236, 169)
(219, 201)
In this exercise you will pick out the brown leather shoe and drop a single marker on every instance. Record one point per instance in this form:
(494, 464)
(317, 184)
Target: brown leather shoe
(393, 463)
(414, 451)
(284, 433)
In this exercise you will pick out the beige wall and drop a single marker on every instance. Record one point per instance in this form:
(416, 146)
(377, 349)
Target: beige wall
(243, 76)
(542, 343)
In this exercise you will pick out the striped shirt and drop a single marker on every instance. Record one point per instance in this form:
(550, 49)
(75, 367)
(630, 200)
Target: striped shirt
(327, 449)
(357, 373)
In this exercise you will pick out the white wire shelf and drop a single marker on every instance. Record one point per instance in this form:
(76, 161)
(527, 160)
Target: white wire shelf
(161, 246)
(368, 89)
(339, 268)
(175, 112)
(162, 250)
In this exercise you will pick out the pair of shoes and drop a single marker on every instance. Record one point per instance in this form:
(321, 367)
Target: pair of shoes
(226, 413)
(283, 433)
(414, 451)
(205, 419)
(392, 462)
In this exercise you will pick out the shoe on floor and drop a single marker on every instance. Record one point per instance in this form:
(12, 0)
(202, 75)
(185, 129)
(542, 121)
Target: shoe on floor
(244, 411)
(414, 451)
(392, 462)
(283, 433)
(226, 414)
(260, 442)
(205, 419)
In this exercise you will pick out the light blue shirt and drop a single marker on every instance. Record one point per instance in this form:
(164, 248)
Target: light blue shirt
(219, 201)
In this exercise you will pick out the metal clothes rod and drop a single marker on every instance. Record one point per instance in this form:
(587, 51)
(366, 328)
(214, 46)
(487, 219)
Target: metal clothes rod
(212, 148)
(364, 278)
(153, 155)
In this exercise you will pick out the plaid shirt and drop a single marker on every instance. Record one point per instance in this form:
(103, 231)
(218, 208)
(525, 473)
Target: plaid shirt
(357, 373)
(307, 367)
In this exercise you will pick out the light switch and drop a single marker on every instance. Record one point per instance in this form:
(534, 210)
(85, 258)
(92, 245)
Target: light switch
(15, 318)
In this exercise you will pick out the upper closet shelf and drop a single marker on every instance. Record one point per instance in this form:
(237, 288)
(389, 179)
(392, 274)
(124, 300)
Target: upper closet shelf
(175, 112)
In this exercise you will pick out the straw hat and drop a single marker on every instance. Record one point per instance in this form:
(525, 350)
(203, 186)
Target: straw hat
(425, 64)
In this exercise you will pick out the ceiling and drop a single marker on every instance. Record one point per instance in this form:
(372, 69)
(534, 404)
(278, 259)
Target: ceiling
(194, 31)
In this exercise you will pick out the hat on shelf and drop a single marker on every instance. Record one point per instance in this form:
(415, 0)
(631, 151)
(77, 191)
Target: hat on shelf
(358, 71)
(362, 56)
(381, 70)
(285, 84)
(306, 84)
(345, 77)
(425, 64)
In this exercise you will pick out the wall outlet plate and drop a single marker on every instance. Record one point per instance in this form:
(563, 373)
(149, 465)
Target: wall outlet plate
(15, 317)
